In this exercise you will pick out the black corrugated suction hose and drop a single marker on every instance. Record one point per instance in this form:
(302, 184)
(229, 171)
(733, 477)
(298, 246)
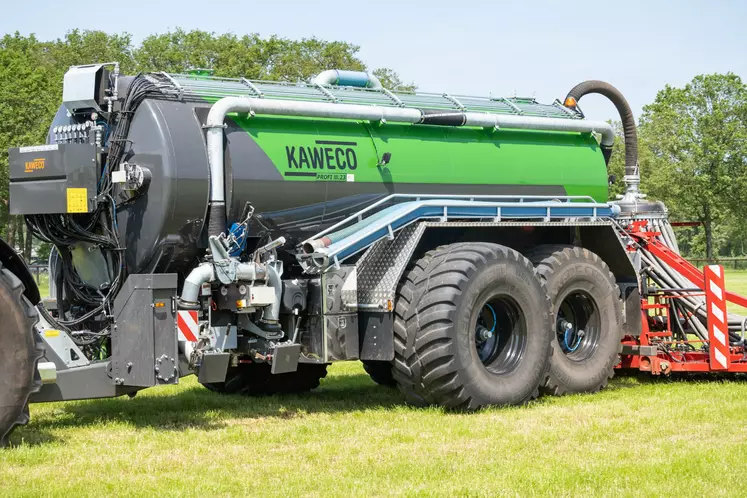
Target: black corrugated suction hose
(217, 218)
(626, 116)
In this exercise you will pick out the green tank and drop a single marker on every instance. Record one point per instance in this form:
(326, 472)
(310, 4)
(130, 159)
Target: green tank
(303, 170)
(465, 159)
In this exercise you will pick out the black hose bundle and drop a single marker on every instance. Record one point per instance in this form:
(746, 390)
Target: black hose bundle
(77, 301)
(691, 307)
(139, 90)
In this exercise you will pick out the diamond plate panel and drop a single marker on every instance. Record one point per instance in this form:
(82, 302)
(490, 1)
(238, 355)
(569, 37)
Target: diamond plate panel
(381, 267)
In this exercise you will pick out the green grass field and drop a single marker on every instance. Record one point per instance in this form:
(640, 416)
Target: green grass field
(736, 281)
(353, 438)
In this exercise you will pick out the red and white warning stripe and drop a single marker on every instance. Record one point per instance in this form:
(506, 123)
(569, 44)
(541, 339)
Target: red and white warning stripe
(187, 326)
(718, 326)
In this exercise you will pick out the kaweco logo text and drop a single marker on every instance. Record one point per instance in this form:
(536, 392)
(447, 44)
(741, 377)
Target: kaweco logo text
(34, 165)
(326, 155)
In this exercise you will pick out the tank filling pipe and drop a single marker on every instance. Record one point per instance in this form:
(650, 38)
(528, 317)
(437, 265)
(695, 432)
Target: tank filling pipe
(193, 283)
(271, 314)
(632, 177)
(215, 125)
(340, 77)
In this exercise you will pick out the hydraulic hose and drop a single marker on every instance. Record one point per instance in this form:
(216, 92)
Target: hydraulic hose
(626, 116)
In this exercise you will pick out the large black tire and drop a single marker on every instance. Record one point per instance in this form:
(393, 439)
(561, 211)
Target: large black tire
(380, 372)
(439, 304)
(256, 379)
(20, 350)
(581, 286)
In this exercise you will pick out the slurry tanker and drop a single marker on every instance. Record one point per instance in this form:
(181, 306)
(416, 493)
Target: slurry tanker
(251, 233)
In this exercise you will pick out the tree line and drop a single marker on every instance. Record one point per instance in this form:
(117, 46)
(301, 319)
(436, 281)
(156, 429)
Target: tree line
(692, 140)
(31, 72)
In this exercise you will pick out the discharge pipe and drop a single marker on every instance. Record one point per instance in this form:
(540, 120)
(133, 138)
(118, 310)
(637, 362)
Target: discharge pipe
(632, 177)
(215, 125)
(331, 238)
(205, 273)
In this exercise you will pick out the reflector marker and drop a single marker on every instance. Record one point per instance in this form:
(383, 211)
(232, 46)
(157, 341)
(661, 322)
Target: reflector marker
(719, 335)
(721, 358)
(187, 326)
(717, 324)
(717, 312)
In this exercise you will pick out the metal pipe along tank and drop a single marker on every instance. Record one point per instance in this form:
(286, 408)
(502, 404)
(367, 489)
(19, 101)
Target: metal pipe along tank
(215, 125)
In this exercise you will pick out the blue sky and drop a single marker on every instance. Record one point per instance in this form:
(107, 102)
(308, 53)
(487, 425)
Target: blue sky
(526, 48)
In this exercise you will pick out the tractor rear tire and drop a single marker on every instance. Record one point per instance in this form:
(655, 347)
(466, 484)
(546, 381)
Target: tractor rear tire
(441, 305)
(380, 372)
(256, 379)
(19, 354)
(585, 294)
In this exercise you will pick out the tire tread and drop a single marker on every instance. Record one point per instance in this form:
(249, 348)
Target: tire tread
(548, 259)
(35, 347)
(424, 365)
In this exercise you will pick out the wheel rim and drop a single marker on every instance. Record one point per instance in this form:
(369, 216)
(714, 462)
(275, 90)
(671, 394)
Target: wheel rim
(578, 326)
(500, 334)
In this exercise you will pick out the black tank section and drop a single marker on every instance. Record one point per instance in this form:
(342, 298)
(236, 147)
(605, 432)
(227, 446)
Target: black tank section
(161, 228)
(164, 229)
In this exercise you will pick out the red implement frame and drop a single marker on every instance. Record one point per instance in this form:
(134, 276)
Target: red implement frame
(656, 331)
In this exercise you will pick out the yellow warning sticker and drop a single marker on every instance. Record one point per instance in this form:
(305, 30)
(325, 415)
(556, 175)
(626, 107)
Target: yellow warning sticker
(77, 200)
